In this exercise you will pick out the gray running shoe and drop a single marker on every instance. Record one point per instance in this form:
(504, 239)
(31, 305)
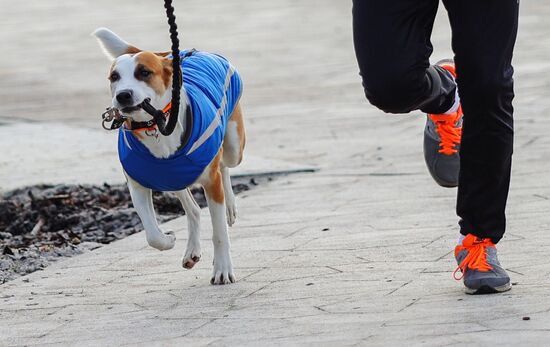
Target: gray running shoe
(442, 136)
(481, 270)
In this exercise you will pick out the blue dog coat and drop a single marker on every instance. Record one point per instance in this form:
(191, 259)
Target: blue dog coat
(213, 89)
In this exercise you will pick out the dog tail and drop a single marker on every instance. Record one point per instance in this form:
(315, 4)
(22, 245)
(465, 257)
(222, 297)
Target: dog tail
(113, 46)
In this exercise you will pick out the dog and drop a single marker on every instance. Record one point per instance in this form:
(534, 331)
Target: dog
(210, 93)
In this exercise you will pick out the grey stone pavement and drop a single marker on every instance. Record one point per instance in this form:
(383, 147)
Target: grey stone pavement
(358, 253)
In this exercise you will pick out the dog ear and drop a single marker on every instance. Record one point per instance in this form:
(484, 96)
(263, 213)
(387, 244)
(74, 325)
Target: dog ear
(113, 46)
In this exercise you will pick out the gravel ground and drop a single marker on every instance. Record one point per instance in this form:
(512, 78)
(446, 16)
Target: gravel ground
(39, 224)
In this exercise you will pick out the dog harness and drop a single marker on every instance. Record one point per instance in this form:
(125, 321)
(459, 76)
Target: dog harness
(213, 88)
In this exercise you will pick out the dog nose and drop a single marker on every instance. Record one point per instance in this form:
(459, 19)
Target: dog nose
(124, 97)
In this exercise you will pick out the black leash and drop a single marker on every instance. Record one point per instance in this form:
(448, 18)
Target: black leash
(166, 128)
(159, 117)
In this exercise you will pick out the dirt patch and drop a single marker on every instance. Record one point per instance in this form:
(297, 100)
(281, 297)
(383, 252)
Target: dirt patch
(39, 224)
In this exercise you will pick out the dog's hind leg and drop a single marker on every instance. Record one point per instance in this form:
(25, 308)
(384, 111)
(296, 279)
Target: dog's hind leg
(192, 253)
(143, 203)
(234, 139)
(214, 191)
(230, 204)
(233, 147)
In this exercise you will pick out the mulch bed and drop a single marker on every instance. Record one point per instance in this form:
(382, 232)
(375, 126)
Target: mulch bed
(39, 224)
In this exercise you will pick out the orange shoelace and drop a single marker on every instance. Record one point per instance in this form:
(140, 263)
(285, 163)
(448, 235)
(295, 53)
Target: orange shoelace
(449, 134)
(476, 259)
(445, 124)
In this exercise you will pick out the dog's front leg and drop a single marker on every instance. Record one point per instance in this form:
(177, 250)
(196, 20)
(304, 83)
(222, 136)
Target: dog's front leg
(223, 267)
(192, 253)
(143, 203)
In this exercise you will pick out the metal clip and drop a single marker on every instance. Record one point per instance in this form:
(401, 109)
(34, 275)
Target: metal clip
(111, 114)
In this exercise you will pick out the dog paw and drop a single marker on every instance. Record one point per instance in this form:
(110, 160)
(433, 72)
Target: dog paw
(223, 271)
(191, 257)
(231, 211)
(163, 242)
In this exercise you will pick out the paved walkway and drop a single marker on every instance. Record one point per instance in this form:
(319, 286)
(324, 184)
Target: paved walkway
(358, 253)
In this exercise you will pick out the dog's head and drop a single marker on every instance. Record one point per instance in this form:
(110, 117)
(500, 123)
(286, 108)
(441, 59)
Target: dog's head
(136, 75)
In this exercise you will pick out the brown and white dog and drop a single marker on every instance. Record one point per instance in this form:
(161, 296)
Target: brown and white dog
(144, 74)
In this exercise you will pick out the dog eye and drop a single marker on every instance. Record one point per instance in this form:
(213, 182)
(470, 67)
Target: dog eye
(144, 73)
(114, 76)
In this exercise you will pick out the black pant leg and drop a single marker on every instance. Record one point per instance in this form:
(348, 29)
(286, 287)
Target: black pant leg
(392, 44)
(484, 33)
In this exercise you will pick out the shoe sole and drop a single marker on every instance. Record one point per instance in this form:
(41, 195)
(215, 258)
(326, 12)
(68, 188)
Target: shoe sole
(488, 289)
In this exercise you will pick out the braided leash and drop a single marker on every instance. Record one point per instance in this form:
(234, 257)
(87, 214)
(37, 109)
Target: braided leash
(166, 128)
